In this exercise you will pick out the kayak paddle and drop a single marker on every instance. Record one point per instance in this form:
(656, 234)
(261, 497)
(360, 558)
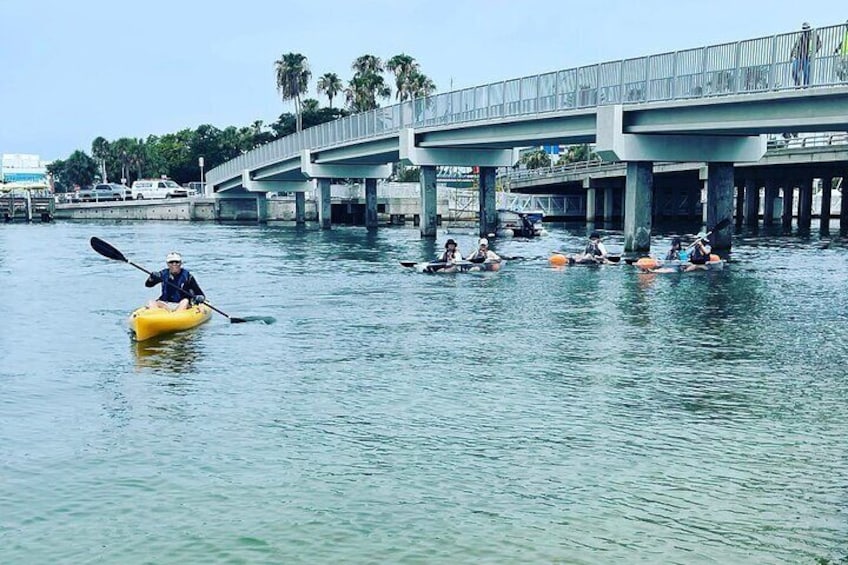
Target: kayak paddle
(718, 227)
(111, 252)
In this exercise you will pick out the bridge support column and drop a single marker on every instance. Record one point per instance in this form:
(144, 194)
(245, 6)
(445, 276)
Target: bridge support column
(824, 213)
(739, 215)
(770, 195)
(843, 204)
(325, 216)
(720, 203)
(805, 203)
(300, 208)
(638, 192)
(488, 203)
(591, 195)
(752, 202)
(788, 203)
(609, 202)
(427, 181)
(371, 204)
(262, 208)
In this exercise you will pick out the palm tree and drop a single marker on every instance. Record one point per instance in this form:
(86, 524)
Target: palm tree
(293, 76)
(367, 84)
(420, 85)
(403, 66)
(536, 159)
(309, 105)
(100, 150)
(137, 158)
(331, 85)
(365, 64)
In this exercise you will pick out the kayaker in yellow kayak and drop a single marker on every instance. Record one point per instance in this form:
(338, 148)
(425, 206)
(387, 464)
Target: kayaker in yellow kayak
(179, 287)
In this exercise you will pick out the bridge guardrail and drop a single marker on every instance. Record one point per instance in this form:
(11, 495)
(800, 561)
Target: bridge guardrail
(812, 141)
(747, 66)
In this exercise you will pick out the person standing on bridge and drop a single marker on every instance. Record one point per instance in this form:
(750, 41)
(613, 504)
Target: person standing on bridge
(842, 52)
(807, 45)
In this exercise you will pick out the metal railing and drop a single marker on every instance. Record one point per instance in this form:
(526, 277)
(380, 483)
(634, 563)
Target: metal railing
(747, 66)
(775, 144)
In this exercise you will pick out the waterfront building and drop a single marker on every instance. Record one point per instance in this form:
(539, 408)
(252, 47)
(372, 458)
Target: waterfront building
(23, 171)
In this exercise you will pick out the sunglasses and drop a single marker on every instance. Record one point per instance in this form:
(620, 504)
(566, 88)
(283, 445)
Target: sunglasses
(174, 262)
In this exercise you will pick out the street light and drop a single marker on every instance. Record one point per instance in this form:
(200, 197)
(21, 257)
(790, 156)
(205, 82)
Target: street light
(202, 184)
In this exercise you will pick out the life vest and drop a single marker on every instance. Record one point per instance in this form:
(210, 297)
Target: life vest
(698, 256)
(170, 285)
(592, 249)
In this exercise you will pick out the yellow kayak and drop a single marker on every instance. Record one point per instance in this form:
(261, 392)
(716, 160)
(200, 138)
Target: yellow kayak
(146, 322)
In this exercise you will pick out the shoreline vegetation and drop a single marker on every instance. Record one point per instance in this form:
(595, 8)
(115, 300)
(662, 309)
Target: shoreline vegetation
(176, 155)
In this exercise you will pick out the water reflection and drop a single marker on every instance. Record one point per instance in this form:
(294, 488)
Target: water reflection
(174, 353)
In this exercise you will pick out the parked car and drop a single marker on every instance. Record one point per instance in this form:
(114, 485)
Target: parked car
(105, 191)
(157, 188)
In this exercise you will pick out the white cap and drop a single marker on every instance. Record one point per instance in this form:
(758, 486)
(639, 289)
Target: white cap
(174, 256)
(483, 241)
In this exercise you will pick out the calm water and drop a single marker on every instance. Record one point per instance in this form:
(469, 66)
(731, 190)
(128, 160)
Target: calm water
(586, 415)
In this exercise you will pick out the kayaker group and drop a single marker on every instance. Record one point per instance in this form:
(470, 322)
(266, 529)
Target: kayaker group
(451, 260)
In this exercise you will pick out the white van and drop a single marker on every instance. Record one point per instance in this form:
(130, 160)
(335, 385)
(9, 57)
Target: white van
(157, 188)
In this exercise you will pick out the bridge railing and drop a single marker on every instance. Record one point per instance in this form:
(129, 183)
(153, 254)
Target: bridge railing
(747, 66)
(791, 143)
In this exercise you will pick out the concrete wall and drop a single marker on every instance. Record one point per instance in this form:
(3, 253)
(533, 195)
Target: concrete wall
(245, 209)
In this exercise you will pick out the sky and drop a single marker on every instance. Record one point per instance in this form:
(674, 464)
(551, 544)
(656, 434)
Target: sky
(73, 71)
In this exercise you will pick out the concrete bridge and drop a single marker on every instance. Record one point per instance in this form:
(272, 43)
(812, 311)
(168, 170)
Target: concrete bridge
(789, 168)
(709, 104)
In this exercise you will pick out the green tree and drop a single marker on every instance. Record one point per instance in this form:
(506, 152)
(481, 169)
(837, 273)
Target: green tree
(367, 84)
(420, 85)
(100, 151)
(330, 85)
(79, 169)
(402, 66)
(309, 105)
(536, 159)
(410, 82)
(293, 76)
(577, 153)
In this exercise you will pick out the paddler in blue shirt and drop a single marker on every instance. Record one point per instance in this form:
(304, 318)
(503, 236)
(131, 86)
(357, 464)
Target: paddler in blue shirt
(179, 287)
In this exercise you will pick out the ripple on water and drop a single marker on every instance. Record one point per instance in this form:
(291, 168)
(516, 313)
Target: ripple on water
(538, 415)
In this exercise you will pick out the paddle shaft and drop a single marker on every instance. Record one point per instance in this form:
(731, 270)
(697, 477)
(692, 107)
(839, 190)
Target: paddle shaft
(718, 227)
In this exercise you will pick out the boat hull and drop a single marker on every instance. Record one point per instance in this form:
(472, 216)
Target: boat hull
(511, 223)
(146, 323)
(462, 267)
(652, 265)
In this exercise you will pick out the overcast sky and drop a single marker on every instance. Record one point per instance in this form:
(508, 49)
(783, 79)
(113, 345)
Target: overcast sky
(73, 70)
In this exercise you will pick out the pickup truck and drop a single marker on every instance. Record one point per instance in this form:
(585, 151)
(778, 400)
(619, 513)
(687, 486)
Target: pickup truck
(105, 191)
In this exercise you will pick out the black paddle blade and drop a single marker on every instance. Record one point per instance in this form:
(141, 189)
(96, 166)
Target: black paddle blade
(722, 224)
(408, 263)
(267, 320)
(107, 250)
